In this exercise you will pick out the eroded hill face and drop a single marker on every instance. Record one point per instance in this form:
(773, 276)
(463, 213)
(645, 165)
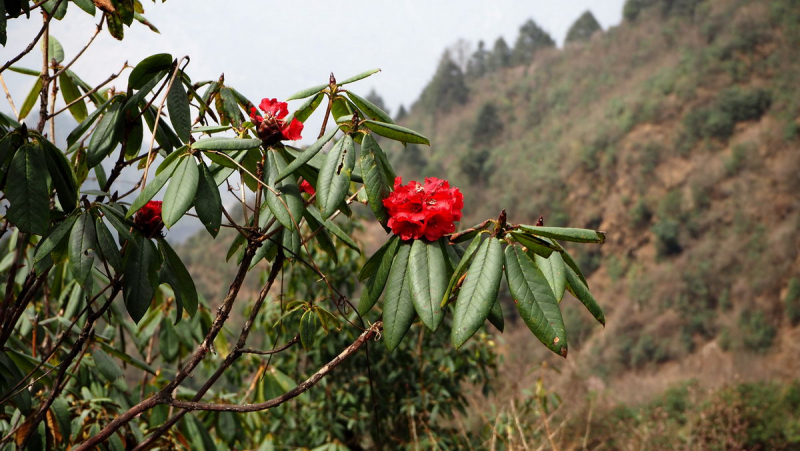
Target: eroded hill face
(678, 134)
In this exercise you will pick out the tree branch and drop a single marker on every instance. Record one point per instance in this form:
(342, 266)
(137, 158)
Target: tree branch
(33, 43)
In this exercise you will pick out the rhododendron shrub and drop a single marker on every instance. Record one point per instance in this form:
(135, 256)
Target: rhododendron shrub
(106, 342)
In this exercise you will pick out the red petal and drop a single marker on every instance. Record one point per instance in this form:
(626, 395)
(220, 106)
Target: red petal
(293, 130)
(274, 108)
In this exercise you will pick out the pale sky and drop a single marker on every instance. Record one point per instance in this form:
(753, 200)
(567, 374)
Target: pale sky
(273, 49)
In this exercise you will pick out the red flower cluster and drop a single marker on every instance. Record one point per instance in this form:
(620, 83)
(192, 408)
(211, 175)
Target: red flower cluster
(271, 127)
(306, 187)
(148, 218)
(429, 210)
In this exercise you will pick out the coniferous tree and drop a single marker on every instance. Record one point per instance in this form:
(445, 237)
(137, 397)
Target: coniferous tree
(478, 64)
(401, 113)
(583, 28)
(377, 100)
(531, 39)
(500, 56)
(487, 126)
(447, 88)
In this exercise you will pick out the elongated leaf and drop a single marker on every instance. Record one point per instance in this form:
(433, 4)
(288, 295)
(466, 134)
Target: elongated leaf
(288, 207)
(306, 155)
(162, 137)
(553, 269)
(496, 316)
(26, 191)
(291, 242)
(56, 51)
(372, 264)
(398, 308)
(30, 100)
(108, 247)
(308, 329)
(107, 366)
(181, 191)
(61, 173)
(427, 277)
(185, 289)
(140, 277)
(106, 136)
(25, 71)
(461, 268)
(335, 229)
(179, 114)
(228, 107)
(574, 265)
(148, 69)
(581, 291)
(208, 203)
(307, 92)
(382, 264)
(304, 111)
(396, 132)
(226, 144)
(376, 183)
(70, 92)
(479, 292)
(566, 234)
(97, 98)
(135, 138)
(360, 76)
(84, 126)
(56, 9)
(370, 109)
(209, 129)
(535, 301)
(59, 233)
(535, 244)
(168, 341)
(82, 242)
(118, 222)
(323, 237)
(86, 5)
(334, 176)
(153, 187)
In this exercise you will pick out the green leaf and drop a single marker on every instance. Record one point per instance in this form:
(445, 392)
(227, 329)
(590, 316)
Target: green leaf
(479, 292)
(496, 316)
(335, 229)
(360, 76)
(304, 111)
(228, 107)
(209, 129)
(57, 12)
(140, 277)
(106, 136)
(398, 308)
(382, 264)
(208, 203)
(107, 366)
(55, 50)
(185, 289)
(26, 191)
(306, 155)
(179, 114)
(308, 329)
(334, 176)
(86, 5)
(108, 247)
(566, 234)
(30, 100)
(148, 69)
(396, 132)
(168, 341)
(82, 242)
(535, 244)
(376, 183)
(143, 20)
(25, 71)
(553, 269)
(288, 207)
(118, 222)
(60, 409)
(307, 92)
(581, 291)
(535, 301)
(372, 264)
(84, 126)
(97, 98)
(323, 238)
(370, 109)
(181, 191)
(70, 92)
(461, 268)
(427, 277)
(61, 173)
(291, 242)
(134, 143)
(153, 187)
(574, 265)
(226, 144)
(59, 233)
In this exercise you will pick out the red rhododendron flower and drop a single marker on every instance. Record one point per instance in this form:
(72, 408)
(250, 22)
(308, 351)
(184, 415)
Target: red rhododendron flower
(306, 187)
(148, 218)
(429, 210)
(271, 127)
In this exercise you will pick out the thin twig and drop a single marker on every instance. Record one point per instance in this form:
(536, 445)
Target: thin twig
(96, 32)
(8, 96)
(94, 90)
(35, 40)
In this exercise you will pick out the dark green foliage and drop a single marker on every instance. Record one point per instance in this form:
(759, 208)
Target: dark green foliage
(531, 39)
(731, 106)
(633, 8)
(377, 100)
(583, 28)
(447, 89)
(478, 64)
(757, 330)
(667, 233)
(475, 164)
(792, 301)
(488, 126)
(500, 56)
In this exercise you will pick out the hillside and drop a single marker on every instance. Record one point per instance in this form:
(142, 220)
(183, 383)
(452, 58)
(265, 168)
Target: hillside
(678, 134)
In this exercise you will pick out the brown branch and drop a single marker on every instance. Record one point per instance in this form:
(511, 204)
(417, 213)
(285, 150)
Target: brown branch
(35, 40)
(45, 74)
(94, 90)
(96, 32)
(297, 391)
(8, 96)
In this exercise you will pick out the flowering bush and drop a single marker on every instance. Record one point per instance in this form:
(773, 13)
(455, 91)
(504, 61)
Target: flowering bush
(271, 127)
(429, 210)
